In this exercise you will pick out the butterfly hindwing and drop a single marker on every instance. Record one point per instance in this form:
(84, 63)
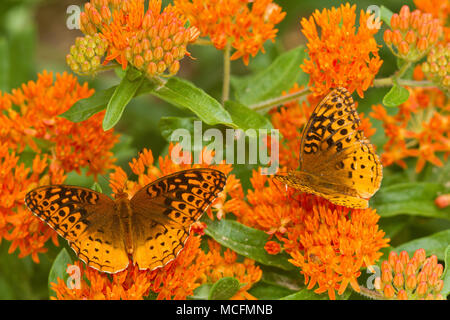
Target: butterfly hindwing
(85, 218)
(164, 211)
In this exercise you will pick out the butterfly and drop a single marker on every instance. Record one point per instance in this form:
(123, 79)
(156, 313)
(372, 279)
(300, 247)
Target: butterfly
(151, 228)
(337, 162)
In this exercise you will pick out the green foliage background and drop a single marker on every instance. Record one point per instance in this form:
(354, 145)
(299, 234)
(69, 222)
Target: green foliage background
(34, 37)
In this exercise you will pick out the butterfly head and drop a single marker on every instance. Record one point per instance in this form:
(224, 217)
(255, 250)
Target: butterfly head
(121, 195)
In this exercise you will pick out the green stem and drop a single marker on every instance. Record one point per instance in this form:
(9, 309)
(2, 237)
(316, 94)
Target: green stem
(387, 82)
(369, 293)
(226, 73)
(402, 70)
(202, 42)
(268, 104)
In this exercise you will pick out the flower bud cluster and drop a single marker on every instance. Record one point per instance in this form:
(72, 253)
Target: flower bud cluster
(413, 34)
(417, 278)
(85, 55)
(437, 66)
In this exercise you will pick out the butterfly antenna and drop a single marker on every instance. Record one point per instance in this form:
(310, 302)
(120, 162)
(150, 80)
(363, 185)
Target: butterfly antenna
(275, 182)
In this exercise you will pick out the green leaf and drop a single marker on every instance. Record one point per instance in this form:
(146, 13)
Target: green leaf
(267, 291)
(291, 280)
(86, 108)
(58, 269)
(97, 187)
(201, 292)
(246, 241)
(306, 294)
(246, 118)
(446, 275)
(4, 65)
(410, 198)
(224, 289)
(124, 92)
(396, 96)
(167, 125)
(435, 244)
(185, 95)
(385, 15)
(270, 83)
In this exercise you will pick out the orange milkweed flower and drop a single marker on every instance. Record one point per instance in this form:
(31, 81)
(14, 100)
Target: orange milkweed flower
(419, 129)
(247, 273)
(152, 41)
(180, 277)
(438, 8)
(245, 24)
(337, 55)
(416, 278)
(38, 147)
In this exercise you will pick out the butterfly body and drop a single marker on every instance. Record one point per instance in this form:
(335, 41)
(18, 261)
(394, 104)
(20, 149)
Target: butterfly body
(337, 162)
(151, 228)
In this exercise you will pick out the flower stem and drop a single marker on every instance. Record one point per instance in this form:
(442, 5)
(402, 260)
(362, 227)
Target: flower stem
(268, 104)
(387, 82)
(226, 73)
(370, 293)
(402, 70)
(202, 42)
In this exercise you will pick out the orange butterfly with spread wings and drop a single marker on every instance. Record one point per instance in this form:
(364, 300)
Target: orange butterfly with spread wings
(151, 228)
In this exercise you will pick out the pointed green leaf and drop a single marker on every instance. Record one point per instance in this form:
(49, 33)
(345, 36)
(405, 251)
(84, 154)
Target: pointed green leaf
(246, 118)
(410, 198)
(59, 269)
(185, 95)
(396, 96)
(385, 15)
(97, 187)
(201, 292)
(270, 83)
(4, 64)
(124, 92)
(224, 289)
(86, 108)
(167, 125)
(267, 291)
(434, 244)
(246, 241)
(306, 294)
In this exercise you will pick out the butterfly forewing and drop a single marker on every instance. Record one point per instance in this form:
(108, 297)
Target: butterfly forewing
(87, 219)
(164, 211)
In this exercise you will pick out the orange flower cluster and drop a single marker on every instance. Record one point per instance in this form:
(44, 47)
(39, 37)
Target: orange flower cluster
(179, 278)
(37, 148)
(438, 8)
(152, 41)
(413, 34)
(420, 128)
(337, 55)
(417, 278)
(227, 266)
(244, 24)
(329, 243)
